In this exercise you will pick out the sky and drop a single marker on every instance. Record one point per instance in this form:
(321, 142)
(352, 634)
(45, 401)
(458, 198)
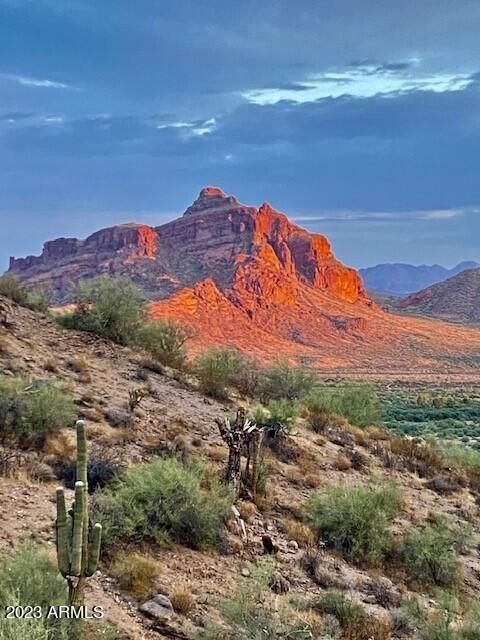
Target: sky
(360, 120)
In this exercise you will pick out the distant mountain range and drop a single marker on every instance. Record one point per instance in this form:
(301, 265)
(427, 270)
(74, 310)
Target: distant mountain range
(403, 279)
(456, 299)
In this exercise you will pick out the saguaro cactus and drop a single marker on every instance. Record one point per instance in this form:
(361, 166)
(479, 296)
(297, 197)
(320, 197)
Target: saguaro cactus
(77, 559)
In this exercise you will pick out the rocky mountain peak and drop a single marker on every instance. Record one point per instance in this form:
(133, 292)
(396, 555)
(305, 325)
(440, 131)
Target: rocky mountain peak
(212, 199)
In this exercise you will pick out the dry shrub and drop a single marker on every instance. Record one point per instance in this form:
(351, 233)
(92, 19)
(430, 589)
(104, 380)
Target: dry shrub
(77, 365)
(247, 510)
(299, 532)
(295, 476)
(50, 366)
(61, 445)
(182, 599)
(217, 453)
(307, 461)
(37, 469)
(377, 433)
(136, 573)
(418, 456)
(313, 480)
(342, 463)
(358, 434)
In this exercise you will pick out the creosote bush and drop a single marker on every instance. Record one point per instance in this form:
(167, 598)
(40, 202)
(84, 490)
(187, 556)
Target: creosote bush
(165, 341)
(430, 551)
(112, 308)
(32, 411)
(164, 501)
(356, 520)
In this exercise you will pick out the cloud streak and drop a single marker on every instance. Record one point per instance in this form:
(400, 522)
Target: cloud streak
(37, 83)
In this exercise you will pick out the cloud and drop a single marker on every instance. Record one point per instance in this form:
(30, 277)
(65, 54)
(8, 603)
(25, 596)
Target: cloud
(362, 81)
(26, 81)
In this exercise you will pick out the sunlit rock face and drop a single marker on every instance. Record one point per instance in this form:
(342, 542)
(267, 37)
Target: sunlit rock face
(255, 254)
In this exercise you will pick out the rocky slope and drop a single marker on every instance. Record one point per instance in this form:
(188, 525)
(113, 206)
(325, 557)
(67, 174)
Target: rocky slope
(173, 413)
(248, 277)
(402, 279)
(456, 299)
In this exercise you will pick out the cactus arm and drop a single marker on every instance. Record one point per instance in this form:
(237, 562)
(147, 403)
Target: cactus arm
(77, 535)
(63, 552)
(82, 471)
(94, 553)
(81, 453)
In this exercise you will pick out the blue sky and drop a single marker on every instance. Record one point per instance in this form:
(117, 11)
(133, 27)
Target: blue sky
(359, 119)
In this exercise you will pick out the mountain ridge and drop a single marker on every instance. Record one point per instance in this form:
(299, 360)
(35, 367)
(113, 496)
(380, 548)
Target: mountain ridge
(400, 279)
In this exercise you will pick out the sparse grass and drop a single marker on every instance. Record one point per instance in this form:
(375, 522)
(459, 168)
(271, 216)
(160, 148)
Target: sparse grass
(355, 622)
(446, 620)
(254, 613)
(136, 573)
(164, 501)
(355, 521)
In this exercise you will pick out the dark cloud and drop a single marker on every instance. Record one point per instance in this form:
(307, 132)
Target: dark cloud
(157, 112)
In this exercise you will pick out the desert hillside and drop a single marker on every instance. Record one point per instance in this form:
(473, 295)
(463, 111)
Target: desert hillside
(457, 299)
(309, 566)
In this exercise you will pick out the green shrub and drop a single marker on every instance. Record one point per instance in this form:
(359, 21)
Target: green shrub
(39, 300)
(282, 412)
(216, 369)
(356, 520)
(357, 403)
(109, 307)
(11, 288)
(430, 551)
(28, 577)
(165, 341)
(320, 410)
(285, 381)
(164, 501)
(31, 411)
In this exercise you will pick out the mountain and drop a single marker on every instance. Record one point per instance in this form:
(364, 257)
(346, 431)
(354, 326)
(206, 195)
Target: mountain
(402, 279)
(456, 299)
(248, 277)
(239, 247)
